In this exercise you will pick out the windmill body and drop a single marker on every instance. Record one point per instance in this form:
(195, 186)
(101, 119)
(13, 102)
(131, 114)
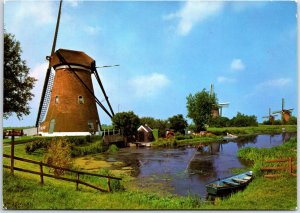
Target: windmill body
(285, 113)
(217, 109)
(270, 117)
(72, 108)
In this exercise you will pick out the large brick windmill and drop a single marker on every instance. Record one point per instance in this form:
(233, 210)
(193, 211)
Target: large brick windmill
(68, 100)
(285, 113)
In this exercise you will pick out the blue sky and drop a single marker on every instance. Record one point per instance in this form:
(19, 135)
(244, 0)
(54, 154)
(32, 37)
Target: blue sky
(167, 50)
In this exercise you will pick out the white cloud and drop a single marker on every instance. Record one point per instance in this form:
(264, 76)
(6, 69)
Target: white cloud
(91, 30)
(42, 12)
(148, 85)
(73, 3)
(194, 12)
(222, 79)
(280, 82)
(237, 65)
(38, 72)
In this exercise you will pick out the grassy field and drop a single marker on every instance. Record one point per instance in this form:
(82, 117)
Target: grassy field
(217, 134)
(260, 129)
(23, 191)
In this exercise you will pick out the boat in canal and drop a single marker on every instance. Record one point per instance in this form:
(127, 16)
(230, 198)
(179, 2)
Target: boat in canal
(229, 184)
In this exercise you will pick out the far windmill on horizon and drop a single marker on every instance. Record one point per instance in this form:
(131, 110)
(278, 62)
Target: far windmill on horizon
(285, 113)
(217, 111)
(270, 117)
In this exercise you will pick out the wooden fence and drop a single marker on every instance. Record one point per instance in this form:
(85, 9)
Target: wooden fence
(42, 174)
(290, 168)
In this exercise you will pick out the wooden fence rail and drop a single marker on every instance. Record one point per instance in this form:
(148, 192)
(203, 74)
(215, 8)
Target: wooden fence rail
(78, 173)
(290, 168)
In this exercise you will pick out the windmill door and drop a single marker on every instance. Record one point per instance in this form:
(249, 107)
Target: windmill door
(51, 127)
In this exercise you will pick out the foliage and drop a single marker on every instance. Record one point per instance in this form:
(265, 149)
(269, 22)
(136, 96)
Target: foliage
(241, 120)
(17, 84)
(38, 144)
(219, 122)
(113, 149)
(258, 155)
(128, 122)
(178, 123)
(92, 148)
(183, 137)
(292, 121)
(58, 154)
(151, 122)
(199, 107)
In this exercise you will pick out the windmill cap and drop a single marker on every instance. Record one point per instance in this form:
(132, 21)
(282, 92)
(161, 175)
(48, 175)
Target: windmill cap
(72, 57)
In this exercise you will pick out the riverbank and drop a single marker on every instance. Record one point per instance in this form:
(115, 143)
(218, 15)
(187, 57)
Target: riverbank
(23, 191)
(217, 134)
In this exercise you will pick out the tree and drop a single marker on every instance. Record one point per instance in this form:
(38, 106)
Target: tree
(244, 120)
(128, 122)
(17, 83)
(199, 107)
(178, 123)
(151, 122)
(219, 122)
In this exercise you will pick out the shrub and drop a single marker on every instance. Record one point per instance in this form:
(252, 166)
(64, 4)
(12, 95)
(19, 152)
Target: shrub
(292, 121)
(219, 122)
(37, 144)
(113, 149)
(90, 149)
(241, 120)
(183, 137)
(58, 154)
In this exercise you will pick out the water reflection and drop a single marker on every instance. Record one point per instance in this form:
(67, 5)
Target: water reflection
(188, 169)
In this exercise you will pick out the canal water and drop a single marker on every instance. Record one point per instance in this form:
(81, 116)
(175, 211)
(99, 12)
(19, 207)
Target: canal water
(186, 170)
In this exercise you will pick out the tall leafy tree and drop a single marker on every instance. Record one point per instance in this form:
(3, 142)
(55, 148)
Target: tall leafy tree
(128, 122)
(178, 123)
(199, 107)
(17, 83)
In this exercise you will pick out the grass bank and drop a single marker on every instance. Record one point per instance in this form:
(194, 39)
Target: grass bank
(263, 193)
(23, 191)
(217, 134)
(260, 129)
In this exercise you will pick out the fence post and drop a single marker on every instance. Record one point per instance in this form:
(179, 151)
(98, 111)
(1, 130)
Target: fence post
(108, 185)
(42, 176)
(290, 166)
(12, 152)
(77, 181)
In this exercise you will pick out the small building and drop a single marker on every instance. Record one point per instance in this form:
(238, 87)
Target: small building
(145, 134)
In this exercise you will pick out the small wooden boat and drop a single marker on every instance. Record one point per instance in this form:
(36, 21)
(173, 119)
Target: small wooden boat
(229, 184)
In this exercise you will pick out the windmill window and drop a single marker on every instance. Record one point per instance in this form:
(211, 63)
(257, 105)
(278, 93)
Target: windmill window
(91, 125)
(80, 100)
(56, 99)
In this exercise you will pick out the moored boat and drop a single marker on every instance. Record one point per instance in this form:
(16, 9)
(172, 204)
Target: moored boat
(229, 184)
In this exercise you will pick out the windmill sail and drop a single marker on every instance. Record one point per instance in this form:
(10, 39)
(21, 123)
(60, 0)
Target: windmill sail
(46, 92)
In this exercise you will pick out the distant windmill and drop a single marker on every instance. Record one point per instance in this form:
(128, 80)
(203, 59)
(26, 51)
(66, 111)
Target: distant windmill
(285, 113)
(217, 111)
(270, 117)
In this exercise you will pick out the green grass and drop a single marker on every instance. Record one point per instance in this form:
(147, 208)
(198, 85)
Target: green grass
(260, 129)
(23, 139)
(23, 191)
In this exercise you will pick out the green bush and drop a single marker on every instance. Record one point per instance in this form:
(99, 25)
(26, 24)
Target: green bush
(183, 137)
(219, 122)
(58, 154)
(93, 148)
(241, 120)
(113, 149)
